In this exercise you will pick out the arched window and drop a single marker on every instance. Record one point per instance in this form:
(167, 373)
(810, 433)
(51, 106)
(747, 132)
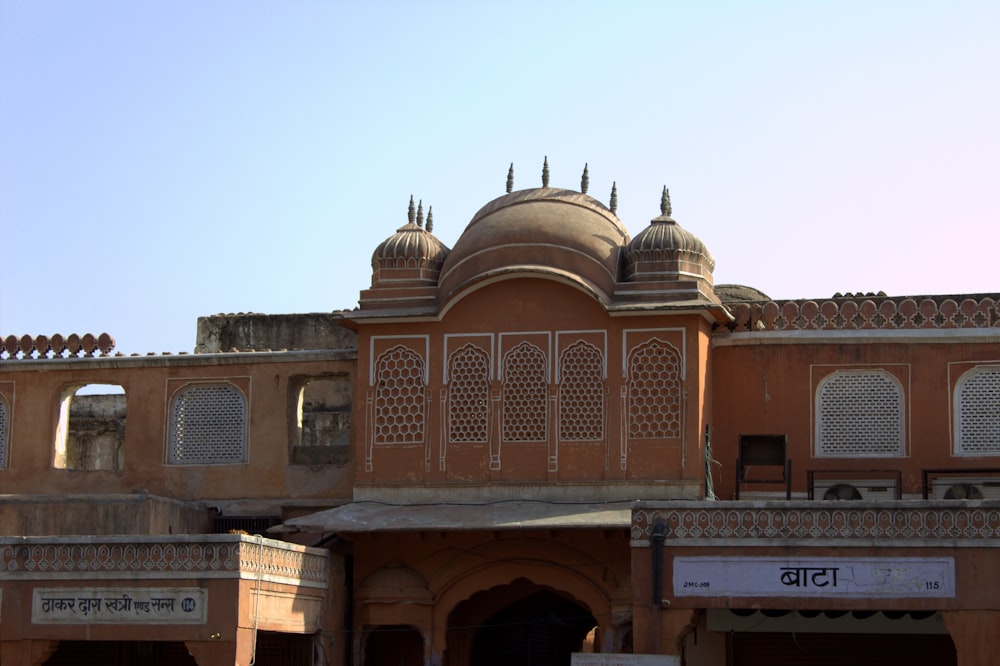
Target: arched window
(208, 425)
(322, 432)
(654, 391)
(977, 412)
(468, 395)
(399, 397)
(859, 413)
(525, 395)
(91, 430)
(581, 393)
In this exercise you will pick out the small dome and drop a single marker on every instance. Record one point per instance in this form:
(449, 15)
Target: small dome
(411, 248)
(665, 250)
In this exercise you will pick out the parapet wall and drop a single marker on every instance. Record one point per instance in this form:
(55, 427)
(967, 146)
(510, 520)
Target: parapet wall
(261, 332)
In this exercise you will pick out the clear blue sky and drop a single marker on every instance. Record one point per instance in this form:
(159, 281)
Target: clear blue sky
(165, 160)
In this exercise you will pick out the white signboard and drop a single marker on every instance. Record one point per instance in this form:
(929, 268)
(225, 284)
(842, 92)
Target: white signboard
(590, 659)
(119, 605)
(827, 577)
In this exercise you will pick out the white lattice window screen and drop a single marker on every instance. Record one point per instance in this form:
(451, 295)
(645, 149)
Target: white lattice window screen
(468, 395)
(208, 425)
(977, 412)
(525, 409)
(859, 413)
(581, 393)
(654, 389)
(4, 430)
(399, 397)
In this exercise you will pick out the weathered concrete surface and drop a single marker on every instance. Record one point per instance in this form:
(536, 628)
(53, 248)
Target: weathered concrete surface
(138, 514)
(261, 332)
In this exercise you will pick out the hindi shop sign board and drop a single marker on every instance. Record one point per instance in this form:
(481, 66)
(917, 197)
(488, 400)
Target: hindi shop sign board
(826, 577)
(593, 659)
(119, 605)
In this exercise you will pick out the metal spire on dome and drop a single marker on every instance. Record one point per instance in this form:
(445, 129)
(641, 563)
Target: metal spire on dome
(545, 172)
(410, 213)
(420, 214)
(585, 179)
(430, 218)
(510, 178)
(614, 198)
(665, 208)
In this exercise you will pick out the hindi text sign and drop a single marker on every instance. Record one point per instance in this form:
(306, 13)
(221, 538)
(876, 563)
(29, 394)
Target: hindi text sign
(827, 577)
(119, 605)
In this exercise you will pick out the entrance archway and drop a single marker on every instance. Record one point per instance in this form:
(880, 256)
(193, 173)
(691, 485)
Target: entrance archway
(521, 623)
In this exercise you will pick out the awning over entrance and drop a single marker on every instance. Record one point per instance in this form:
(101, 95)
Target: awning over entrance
(504, 515)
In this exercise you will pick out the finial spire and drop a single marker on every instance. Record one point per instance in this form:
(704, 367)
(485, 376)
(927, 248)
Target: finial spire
(420, 213)
(430, 218)
(510, 178)
(411, 212)
(614, 197)
(585, 179)
(665, 208)
(545, 172)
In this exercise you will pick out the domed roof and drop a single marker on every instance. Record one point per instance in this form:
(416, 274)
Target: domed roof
(411, 247)
(544, 230)
(665, 248)
(739, 293)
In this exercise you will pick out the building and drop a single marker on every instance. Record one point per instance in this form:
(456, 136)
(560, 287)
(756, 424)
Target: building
(551, 438)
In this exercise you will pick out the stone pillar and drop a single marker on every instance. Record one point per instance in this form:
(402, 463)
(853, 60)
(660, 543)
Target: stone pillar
(675, 625)
(661, 630)
(974, 633)
(26, 652)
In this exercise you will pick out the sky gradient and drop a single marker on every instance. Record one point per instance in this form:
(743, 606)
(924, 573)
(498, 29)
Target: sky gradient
(161, 161)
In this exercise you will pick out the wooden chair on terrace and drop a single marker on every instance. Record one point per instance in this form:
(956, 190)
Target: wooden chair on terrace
(770, 451)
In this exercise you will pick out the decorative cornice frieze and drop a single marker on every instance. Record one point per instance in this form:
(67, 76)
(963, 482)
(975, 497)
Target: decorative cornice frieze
(904, 523)
(130, 558)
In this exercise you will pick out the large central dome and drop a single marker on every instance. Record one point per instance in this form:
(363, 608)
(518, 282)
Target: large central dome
(546, 231)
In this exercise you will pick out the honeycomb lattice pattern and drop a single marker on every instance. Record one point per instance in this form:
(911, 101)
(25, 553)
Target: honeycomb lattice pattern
(654, 389)
(208, 426)
(468, 395)
(859, 413)
(581, 393)
(4, 428)
(399, 397)
(978, 411)
(524, 395)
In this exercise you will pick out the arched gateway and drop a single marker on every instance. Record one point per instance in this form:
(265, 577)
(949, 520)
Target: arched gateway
(521, 623)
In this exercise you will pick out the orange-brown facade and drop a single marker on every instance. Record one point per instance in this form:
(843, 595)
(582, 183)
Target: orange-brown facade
(551, 439)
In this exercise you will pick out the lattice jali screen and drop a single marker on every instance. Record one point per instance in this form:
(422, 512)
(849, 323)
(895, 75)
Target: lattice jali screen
(859, 413)
(4, 430)
(468, 395)
(208, 426)
(654, 391)
(581, 393)
(399, 397)
(524, 394)
(977, 412)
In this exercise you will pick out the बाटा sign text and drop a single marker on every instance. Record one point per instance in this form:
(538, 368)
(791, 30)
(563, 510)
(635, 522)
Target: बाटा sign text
(827, 577)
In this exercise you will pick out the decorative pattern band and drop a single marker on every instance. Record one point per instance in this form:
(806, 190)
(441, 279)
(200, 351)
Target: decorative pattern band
(861, 314)
(237, 557)
(821, 525)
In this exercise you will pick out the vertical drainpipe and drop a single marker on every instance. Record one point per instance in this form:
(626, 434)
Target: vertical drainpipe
(656, 543)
